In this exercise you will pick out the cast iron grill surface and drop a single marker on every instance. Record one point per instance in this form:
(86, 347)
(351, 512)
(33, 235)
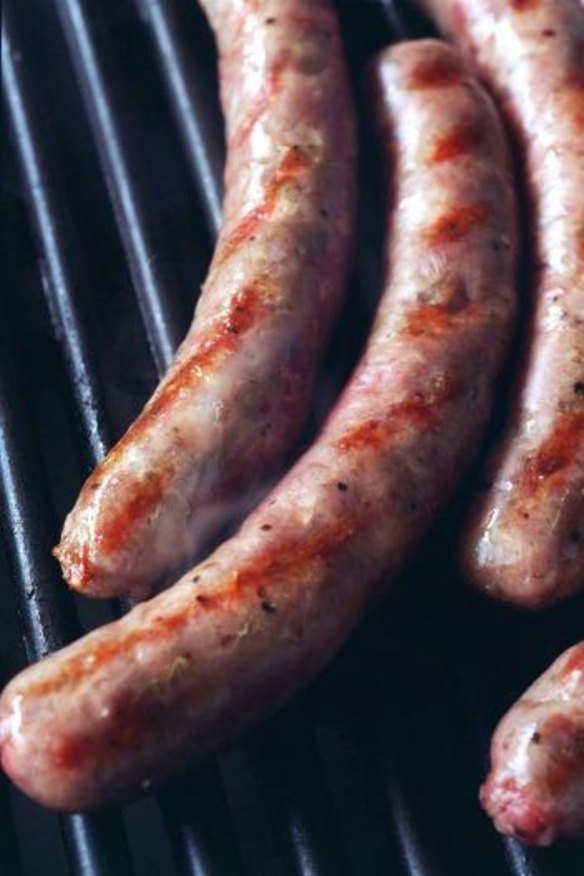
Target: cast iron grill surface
(112, 192)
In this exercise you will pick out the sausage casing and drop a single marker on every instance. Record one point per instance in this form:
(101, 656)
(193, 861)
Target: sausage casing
(236, 396)
(187, 671)
(525, 542)
(535, 790)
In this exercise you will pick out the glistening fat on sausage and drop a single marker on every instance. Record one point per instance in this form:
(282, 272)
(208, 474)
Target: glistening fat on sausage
(535, 790)
(189, 670)
(237, 394)
(526, 540)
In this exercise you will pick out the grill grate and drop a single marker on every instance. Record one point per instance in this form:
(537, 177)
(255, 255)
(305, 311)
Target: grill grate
(375, 768)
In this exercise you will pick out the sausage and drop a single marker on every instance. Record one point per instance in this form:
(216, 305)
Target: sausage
(236, 396)
(190, 669)
(535, 790)
(525, 541)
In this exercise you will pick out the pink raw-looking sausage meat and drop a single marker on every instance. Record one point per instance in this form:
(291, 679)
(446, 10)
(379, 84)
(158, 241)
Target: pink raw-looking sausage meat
(236, 396)
(526, 540)
(535, 790)
(186, 672)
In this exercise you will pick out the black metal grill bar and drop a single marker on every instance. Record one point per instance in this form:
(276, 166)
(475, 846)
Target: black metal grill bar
(194, 106)
(395, 19)
(191, 839)
(8, 847)
(285, 765)
(188, 836)
(198, 821)
(96, 844)
(520, 860)
(54, 229)
(46, 611)
(417, 858)
(194, 844)
(151, 275)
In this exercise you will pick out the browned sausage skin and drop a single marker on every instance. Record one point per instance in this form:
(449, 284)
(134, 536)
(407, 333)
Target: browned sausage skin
(535, 790)
(526, 540)
(238, 391)
(187, 671)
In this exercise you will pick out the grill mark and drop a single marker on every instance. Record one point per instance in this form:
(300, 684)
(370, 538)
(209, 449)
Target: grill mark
(293, 164)
(419, 411)
(464, 138)
(244, 229)
(439, 319)
(555, 454)
(138, 502)
(71, 753)
(572, 93)
(125, 728)
(575, 663)
(436, 73)
(456, 223)
(371, 433)
(294, 555)
(524, 5)
(246, 308)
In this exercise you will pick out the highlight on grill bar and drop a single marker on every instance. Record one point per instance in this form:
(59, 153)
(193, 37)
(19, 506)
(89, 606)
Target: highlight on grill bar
(193, 96)
(115, 127)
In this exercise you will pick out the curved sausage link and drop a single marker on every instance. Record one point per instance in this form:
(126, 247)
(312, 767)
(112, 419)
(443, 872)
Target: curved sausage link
(238, 391)
(526, 540)
(187, 671)
(535, 790)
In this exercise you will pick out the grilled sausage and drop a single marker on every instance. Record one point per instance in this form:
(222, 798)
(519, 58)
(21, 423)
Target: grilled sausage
(236, 396)
(535, 790)
(526, 539)
(185, 672)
